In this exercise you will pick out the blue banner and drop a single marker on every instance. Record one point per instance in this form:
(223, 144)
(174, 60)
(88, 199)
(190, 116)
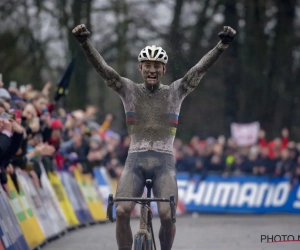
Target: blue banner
(104, 186)
(75, 196)
(238, 194)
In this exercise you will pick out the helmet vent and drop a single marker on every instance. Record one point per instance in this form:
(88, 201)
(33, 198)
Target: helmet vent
(153, 53)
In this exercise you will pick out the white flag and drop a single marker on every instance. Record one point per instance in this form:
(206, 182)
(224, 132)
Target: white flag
(245, 134)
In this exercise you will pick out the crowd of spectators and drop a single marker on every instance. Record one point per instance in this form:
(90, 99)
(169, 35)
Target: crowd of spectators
(279, 157)
(35, 131)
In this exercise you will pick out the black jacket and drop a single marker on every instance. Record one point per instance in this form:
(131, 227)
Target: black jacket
(5, 143)
(10, 148)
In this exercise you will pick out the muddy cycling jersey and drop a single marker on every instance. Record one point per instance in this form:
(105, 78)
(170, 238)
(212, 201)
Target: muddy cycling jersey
(152, 117)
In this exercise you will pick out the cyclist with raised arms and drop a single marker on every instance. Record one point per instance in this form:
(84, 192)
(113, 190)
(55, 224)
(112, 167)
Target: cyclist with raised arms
(152, 111)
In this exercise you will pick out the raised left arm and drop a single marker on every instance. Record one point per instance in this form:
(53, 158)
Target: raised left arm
(194, 75)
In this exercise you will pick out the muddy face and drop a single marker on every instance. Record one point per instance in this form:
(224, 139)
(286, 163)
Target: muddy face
(152, 73)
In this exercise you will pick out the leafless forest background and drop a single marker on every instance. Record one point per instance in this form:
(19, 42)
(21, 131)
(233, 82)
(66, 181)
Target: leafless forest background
(257, 79)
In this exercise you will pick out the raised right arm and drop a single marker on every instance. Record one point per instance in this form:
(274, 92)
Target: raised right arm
(110, 76)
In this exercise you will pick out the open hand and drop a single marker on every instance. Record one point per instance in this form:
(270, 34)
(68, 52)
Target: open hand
(16, 127)
(44, 149)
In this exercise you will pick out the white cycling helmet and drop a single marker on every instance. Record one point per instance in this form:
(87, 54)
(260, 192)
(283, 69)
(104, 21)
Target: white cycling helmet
(153, 53)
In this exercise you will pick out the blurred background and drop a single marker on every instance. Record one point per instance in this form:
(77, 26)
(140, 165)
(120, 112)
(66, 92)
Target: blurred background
(244, 117)
(238, 131)
(255, 80)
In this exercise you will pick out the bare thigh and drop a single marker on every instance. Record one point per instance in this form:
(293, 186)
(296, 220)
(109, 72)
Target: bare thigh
(165, 185)
(131, 183)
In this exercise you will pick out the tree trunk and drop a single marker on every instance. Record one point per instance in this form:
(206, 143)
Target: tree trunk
(282, 87)
(232, 70)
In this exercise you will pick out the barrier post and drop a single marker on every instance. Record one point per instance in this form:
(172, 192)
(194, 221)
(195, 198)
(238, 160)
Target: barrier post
(90, 195)
(11, 236)
(25, 216)
(63, 199)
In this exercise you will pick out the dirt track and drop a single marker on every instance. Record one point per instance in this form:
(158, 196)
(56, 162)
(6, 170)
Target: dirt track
(209, 232)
